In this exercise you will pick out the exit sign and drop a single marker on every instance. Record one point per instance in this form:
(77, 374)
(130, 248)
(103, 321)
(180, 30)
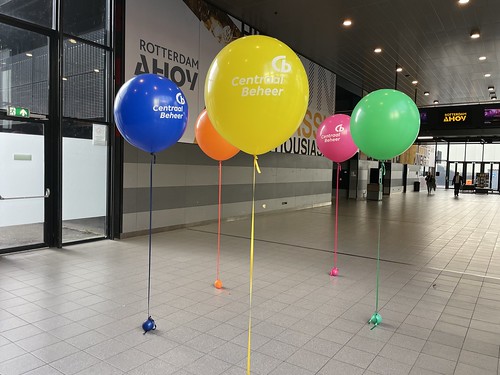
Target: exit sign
(18, 112)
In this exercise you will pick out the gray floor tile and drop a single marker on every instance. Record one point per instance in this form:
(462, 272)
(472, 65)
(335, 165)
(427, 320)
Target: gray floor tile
(386, 366)
(334, 367)
(129, 359)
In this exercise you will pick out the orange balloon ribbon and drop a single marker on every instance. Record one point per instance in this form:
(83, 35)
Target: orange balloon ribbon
(218, 282)
(252, 240)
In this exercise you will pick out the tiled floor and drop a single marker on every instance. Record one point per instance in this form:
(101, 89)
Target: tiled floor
(78, 310)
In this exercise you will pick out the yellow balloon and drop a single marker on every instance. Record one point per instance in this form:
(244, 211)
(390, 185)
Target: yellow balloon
(256, 93)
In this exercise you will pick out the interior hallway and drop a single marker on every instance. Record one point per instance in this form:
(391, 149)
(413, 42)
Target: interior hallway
(78, 310)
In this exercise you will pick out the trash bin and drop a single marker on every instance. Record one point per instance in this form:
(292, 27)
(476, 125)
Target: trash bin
(416, 186)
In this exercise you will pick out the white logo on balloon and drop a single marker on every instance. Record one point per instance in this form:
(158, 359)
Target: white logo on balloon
(284, 68)
(339, 128)
(180, 99)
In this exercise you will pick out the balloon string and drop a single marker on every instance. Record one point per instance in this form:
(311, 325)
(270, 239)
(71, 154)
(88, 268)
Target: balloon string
(153, 161)
(339, 168)
(382, 172)
(218, 224)
(252, 240)
(378, 267)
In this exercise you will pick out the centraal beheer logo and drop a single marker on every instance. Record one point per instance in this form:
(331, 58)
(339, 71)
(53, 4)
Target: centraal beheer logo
(339, 128)
(180, 98)
(283, 66)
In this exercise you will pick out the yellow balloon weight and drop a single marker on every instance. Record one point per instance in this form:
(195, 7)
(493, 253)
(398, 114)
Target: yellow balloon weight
(256, 93)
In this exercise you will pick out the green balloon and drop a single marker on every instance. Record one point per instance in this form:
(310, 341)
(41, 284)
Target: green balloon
(385, 123)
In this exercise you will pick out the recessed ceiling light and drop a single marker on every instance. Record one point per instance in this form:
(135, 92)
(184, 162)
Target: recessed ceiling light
(96, 70)
(414, 82)
(493, 98)
(29, 54)
(399, 69)
(347, 22)
(72, 41)
(474, 34)
(426, 93)
(487, 75)
(482, 58)
(436, 101)
(64, 79)
(425, 137)
(463, 1)
(491, 88)
(377, 50)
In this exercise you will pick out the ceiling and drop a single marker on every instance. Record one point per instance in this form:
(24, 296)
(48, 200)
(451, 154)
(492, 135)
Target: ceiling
(429, 39)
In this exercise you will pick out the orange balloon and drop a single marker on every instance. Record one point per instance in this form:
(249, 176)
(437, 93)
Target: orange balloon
(212, 142)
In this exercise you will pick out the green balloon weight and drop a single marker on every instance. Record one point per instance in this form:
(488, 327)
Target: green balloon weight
(385, 123)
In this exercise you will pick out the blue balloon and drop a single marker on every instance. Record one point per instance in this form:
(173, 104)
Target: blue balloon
(151, 112)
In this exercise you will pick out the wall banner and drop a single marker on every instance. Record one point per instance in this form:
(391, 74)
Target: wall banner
(179, 39)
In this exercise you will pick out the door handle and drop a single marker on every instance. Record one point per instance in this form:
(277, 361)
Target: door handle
(46, 195)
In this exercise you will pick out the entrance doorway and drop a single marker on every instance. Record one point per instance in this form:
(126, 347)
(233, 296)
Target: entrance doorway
(469, 171)
(22, 186)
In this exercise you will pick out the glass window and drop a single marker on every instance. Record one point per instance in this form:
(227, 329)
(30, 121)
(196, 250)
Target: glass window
(441, 174)
(491, 152)
(87, 20)
(441, 151)
(35, 11)
(457, 152)
(84, 81)
(85, 161)
(474, 152)
(24, 69)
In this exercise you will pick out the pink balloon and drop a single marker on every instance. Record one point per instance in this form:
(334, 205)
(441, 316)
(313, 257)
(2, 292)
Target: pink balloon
(334, 138)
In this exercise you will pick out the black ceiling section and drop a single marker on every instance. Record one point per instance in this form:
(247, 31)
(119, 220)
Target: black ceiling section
(429, 39)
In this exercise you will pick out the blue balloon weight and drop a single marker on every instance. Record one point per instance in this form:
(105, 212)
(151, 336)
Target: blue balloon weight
(151, 112)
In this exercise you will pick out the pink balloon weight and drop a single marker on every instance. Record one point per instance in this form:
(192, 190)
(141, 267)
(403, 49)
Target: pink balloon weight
(334, 138)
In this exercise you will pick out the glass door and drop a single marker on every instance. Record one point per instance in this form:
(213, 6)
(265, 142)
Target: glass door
(493, 170)
(24, 106)
(22, 186)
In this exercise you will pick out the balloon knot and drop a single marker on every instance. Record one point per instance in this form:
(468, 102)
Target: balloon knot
(256, 163)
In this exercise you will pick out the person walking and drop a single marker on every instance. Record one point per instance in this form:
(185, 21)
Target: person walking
(457, 183)
(430, 181)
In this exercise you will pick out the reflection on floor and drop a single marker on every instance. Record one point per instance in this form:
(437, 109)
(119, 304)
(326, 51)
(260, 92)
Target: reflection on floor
(73, 230)
(78, 310)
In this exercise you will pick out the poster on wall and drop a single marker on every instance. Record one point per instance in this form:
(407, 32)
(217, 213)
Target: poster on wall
(322, 84)
(180, 40)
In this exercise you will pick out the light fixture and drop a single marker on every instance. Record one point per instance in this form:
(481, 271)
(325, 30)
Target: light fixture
(72, 41)
(494, 97)
(474, 34)
(426, 93)
(491, 88)
(425, 137)
(399, 69)
(482, 58)
(487, 75)
(347, 22)
(29, 54)
(462, 2)
(414, 81)
(377, 50)
(436, 102)
(64, 79)
(96, 70)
